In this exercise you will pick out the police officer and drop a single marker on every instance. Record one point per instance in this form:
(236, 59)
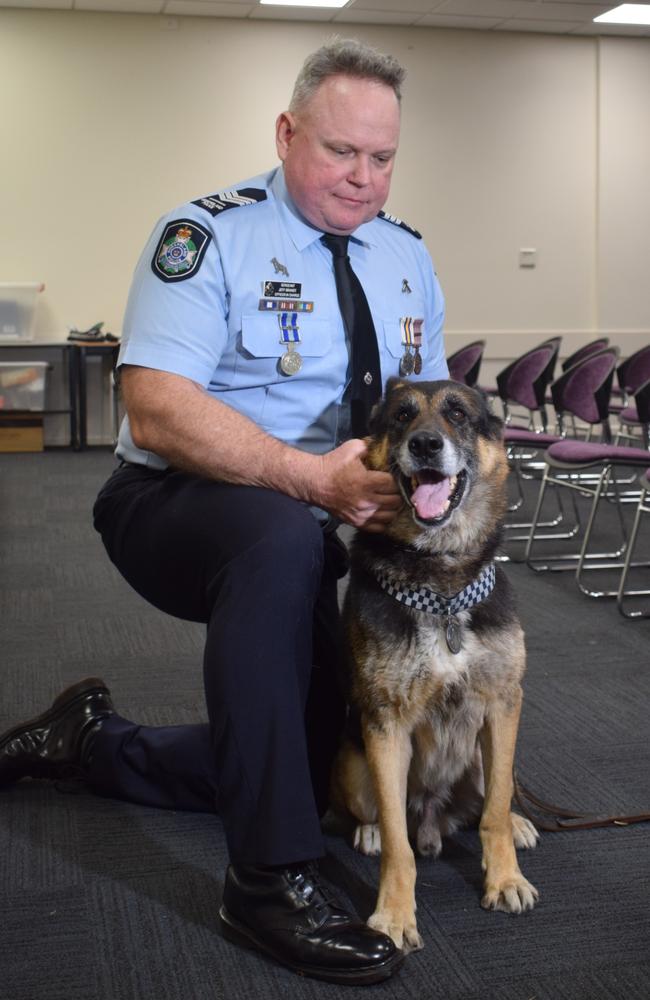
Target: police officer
(248, 367)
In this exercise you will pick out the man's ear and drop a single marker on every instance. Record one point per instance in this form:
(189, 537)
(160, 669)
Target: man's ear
(284, 133)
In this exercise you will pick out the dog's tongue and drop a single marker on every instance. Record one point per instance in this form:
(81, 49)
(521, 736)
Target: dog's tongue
(429, 499)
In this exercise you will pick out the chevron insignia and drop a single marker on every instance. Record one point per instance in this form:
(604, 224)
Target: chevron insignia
(398, 222)
(215, 204)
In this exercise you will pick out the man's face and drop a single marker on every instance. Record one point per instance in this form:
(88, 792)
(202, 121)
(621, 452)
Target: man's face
(338, 152)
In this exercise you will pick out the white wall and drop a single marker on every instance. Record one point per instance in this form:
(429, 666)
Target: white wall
(509, 141)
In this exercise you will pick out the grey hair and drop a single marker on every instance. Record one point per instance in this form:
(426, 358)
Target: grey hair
(349, 57)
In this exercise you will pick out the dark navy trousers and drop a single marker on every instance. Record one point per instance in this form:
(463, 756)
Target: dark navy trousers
(258, 569)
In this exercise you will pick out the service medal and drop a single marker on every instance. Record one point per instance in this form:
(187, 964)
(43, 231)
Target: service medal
(407, 363)
(417, 341)
(291, 362)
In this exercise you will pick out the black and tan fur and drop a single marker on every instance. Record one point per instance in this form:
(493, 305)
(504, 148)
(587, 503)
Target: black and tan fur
(437, 729)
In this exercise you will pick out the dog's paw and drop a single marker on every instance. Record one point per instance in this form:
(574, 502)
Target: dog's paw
(524, 833)
(403, 931)
(513, 895)
(367, 839)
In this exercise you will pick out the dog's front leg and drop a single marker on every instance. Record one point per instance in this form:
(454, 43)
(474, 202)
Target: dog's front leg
(388, 750)
(505, 886)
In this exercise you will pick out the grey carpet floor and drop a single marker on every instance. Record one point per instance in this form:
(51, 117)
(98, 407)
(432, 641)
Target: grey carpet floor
(104, 900)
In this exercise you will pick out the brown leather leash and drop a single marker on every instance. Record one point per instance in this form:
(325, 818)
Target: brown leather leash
(563, 818)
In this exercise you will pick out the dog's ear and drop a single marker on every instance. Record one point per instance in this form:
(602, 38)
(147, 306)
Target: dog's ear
(377, 421)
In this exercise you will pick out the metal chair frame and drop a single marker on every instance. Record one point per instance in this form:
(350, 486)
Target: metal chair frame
(623, 595)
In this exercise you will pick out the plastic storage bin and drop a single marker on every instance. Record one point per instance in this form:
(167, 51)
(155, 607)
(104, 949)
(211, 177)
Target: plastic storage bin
(18, 310)
(22, 385)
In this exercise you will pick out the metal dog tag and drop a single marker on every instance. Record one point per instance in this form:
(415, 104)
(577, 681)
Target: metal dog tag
(453, 634)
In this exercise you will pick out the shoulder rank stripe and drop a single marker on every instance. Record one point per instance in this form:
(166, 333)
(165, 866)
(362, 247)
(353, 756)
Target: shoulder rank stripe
(398, 222)
(215, 204)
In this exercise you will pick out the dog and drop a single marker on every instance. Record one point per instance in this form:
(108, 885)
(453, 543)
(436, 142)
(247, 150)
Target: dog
(434, 687)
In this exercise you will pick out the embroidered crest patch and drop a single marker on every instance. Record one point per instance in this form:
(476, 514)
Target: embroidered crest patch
(181, 249)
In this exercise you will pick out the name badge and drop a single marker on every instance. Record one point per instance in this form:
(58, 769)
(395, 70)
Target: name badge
(282, 289)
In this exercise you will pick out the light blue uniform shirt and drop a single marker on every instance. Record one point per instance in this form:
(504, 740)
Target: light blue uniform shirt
(205, 322)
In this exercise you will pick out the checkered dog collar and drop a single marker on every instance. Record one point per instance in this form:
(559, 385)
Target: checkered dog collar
(427, 600)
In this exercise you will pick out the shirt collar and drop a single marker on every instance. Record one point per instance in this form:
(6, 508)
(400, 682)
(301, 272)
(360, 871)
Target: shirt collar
(301, 232)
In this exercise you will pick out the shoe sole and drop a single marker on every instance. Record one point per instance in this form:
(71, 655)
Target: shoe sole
(67, 697)
(237, 933)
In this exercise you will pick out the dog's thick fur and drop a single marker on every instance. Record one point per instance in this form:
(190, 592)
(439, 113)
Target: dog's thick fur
(437, 728)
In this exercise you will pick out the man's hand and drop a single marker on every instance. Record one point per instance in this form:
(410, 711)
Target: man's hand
(357, 495)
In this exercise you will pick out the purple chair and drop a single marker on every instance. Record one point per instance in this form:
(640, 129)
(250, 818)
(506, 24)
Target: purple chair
(583, 352)
(636, 416)
(516, 382)
(623, 596)
(465, 364)
(586, 468)
(581, 392)
(631, 374)
(525, 380)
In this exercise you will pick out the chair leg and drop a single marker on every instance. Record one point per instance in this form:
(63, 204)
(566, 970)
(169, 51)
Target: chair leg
(623, 594)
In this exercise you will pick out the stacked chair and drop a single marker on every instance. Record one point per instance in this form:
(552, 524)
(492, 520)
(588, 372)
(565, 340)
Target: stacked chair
(581, 392)
(587, 468)
(465, 364)
(583, 352)
(632, 375)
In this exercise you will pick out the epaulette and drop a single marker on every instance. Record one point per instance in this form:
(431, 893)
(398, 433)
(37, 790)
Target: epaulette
(398, 222)
(215, 204)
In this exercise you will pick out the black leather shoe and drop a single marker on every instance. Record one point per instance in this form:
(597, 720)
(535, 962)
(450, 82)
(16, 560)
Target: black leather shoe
(56, 743)
(287, 914)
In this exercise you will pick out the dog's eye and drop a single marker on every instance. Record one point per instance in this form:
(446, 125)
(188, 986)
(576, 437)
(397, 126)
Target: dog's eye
(404, 415)
(457, 415)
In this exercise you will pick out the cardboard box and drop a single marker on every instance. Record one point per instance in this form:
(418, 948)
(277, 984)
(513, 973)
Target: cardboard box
(18, 310)
(21, 432)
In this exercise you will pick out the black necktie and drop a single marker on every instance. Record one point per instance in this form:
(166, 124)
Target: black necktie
(366, 372)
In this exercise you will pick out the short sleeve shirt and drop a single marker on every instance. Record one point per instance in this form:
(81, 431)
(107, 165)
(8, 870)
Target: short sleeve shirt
(215, 280)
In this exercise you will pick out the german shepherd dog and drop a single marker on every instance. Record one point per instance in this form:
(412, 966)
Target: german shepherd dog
(434, 686)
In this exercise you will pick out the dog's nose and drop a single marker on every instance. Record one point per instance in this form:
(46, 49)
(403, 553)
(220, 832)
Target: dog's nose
(425, 445)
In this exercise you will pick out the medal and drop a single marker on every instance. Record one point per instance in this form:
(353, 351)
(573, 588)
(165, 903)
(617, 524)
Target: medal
(453, 634)
(411, 339)
(291, 362)
(417, 341)
(407, 363)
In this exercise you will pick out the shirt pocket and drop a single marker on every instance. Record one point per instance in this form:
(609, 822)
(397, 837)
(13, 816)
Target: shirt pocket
(394, 348)
(261, 344)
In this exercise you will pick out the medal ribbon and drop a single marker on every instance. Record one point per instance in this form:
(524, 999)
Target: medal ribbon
(406, 324)
(411, 331)
(289, 328)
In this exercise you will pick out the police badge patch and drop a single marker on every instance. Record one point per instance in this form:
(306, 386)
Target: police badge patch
(181, 249)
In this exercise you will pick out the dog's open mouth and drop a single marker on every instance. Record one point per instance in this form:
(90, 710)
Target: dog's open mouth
(432, 495)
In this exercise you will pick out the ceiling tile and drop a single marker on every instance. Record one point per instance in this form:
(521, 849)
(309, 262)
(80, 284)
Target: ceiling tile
(395, 6)
(484, 8)
(440, 21)
(527, 24)
(121, 6)
(49, 4)
(199, 8)
(556, 11)
(274, 13)
(357, 16)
